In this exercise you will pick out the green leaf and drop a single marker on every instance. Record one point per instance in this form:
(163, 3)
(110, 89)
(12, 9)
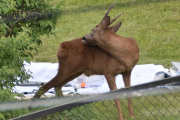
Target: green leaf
(19, 2)
(2, 117)
(6, 10)
(30, 54)
(27, 2)
(32, 3)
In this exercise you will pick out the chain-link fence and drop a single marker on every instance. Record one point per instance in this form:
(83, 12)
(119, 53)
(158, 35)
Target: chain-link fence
(158, 100)
(158, 107)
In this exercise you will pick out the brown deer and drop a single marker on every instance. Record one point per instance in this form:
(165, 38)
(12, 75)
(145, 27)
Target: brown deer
(124, 50)
(76, 58)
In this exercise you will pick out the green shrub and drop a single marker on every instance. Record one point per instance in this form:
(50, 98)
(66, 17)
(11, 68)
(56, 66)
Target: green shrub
(5, 96)
(22, 22)
(13, 52)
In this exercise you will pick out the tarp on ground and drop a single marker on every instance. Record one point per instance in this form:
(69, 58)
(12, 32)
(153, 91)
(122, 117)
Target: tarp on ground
(43, 72)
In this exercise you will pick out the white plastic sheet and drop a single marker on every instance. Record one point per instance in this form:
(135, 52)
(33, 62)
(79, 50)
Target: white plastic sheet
(43, 72)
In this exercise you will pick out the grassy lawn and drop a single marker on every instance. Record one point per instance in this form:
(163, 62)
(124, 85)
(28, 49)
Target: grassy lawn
(155, 24)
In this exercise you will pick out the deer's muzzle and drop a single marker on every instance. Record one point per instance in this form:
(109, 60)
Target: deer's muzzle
(84, 38)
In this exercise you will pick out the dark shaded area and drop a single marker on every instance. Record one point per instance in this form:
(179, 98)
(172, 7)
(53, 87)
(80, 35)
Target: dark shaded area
(117, 5)
(29, 16)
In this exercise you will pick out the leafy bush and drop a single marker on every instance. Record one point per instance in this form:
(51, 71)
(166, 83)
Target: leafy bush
(13, 52)
(7, 96)
(22, 22)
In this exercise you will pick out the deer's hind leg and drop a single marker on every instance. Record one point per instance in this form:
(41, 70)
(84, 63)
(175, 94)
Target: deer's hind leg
(63, 76)
(46, 87)
(58, 87)
(126, 79)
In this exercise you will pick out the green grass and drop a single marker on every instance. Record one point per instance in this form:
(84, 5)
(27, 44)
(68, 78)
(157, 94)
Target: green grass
(155, 24)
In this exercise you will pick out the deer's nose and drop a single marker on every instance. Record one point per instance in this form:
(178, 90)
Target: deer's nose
(84, 38)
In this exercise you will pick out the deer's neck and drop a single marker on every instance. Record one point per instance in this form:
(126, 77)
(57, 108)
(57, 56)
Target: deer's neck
(123, 49)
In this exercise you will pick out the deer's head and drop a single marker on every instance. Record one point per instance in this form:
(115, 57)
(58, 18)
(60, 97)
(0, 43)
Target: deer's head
(94, 36)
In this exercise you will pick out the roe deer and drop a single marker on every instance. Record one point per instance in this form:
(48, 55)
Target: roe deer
(124, 50)
(76, 58)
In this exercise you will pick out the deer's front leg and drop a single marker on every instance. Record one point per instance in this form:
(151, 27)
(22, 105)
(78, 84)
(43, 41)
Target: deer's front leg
(112, 86)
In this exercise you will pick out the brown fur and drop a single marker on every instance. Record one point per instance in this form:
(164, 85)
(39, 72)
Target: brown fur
(76, 58)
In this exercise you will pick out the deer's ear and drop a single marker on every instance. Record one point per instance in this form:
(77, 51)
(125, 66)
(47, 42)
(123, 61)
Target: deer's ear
(115, 27)
(105, 22)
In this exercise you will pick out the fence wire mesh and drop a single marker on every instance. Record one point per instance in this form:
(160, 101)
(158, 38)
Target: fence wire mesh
(159, 100)
(153, 107)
